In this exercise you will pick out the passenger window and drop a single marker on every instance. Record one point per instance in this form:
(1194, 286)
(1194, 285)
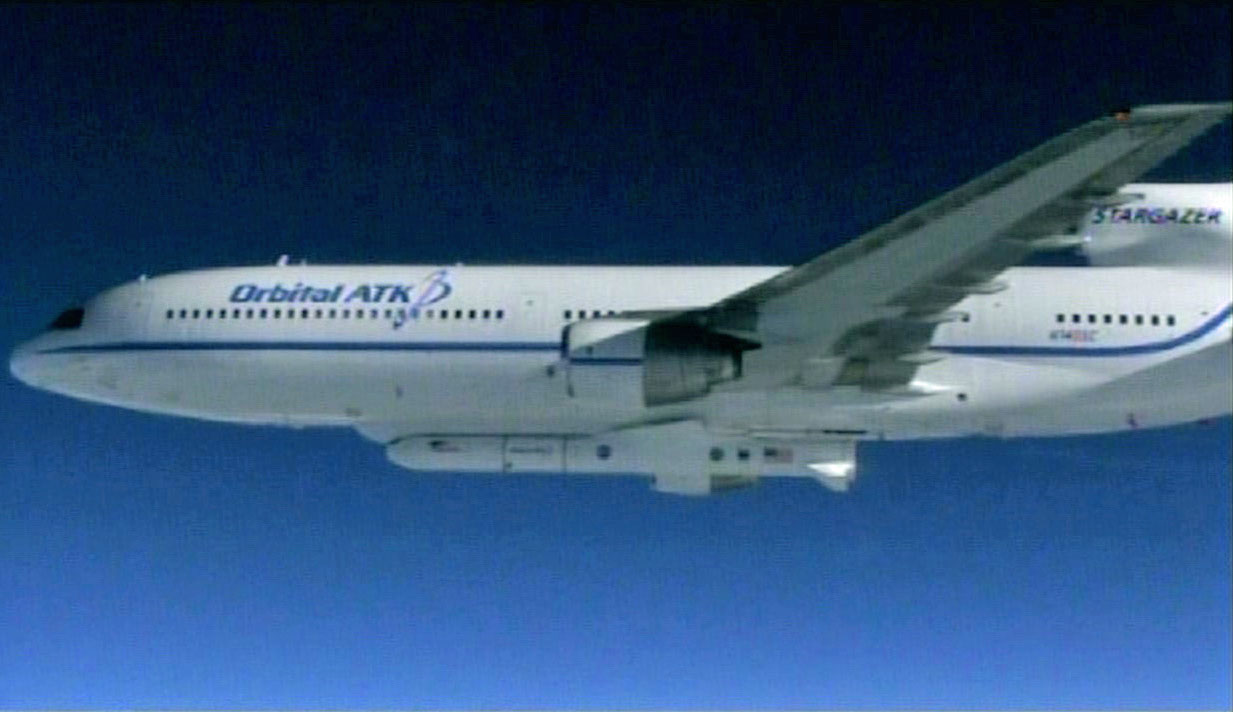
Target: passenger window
(457, 313)
(1076, 318)
(1138, 320)
(196, 313)
(1121, 319)
(262, 313)
(303, 313)
(500, 313)
(487, 313)
(569, 314)
(471, 314)
(170, 313)
(222, 313)
(278, 313)
(1171, 321)
(1155, 320)
(290, 313)
(1061, 318)
(1108, 318)
(333, 313)
(359, 313)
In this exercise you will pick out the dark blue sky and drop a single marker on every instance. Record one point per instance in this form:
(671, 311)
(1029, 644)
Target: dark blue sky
(149, 561)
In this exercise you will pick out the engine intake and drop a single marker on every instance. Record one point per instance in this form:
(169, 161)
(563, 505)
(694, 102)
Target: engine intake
(646, 363)
(684, 361)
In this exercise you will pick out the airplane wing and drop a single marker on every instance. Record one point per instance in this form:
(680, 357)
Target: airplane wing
(864, 313)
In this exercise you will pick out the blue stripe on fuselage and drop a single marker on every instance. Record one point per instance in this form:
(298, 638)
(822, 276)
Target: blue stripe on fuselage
(1152, 347)
(516, 346)
(554, 346)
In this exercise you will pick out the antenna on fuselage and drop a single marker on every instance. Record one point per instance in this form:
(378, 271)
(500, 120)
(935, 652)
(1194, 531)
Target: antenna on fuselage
(283, 260)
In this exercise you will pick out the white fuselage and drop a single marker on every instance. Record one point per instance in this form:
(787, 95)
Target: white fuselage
(1063, 350)
(393, 350)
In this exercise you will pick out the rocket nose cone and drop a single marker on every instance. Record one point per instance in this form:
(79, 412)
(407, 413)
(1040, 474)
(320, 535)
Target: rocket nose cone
(21, 363)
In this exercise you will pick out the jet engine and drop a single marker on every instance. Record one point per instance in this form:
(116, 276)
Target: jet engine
(653, 363)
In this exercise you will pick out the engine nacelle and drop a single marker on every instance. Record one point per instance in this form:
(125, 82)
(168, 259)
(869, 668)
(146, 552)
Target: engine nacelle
(684, 361)
(630, 360)
(681, 457)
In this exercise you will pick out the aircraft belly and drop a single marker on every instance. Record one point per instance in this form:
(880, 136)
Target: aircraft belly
(433, 392)
(1193, 387)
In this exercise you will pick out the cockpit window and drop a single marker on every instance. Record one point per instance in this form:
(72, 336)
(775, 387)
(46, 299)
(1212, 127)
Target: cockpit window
(69, 319)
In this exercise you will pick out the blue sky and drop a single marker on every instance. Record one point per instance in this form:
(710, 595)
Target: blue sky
(149, 561)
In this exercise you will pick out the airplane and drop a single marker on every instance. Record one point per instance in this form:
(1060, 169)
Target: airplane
(711, 378)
